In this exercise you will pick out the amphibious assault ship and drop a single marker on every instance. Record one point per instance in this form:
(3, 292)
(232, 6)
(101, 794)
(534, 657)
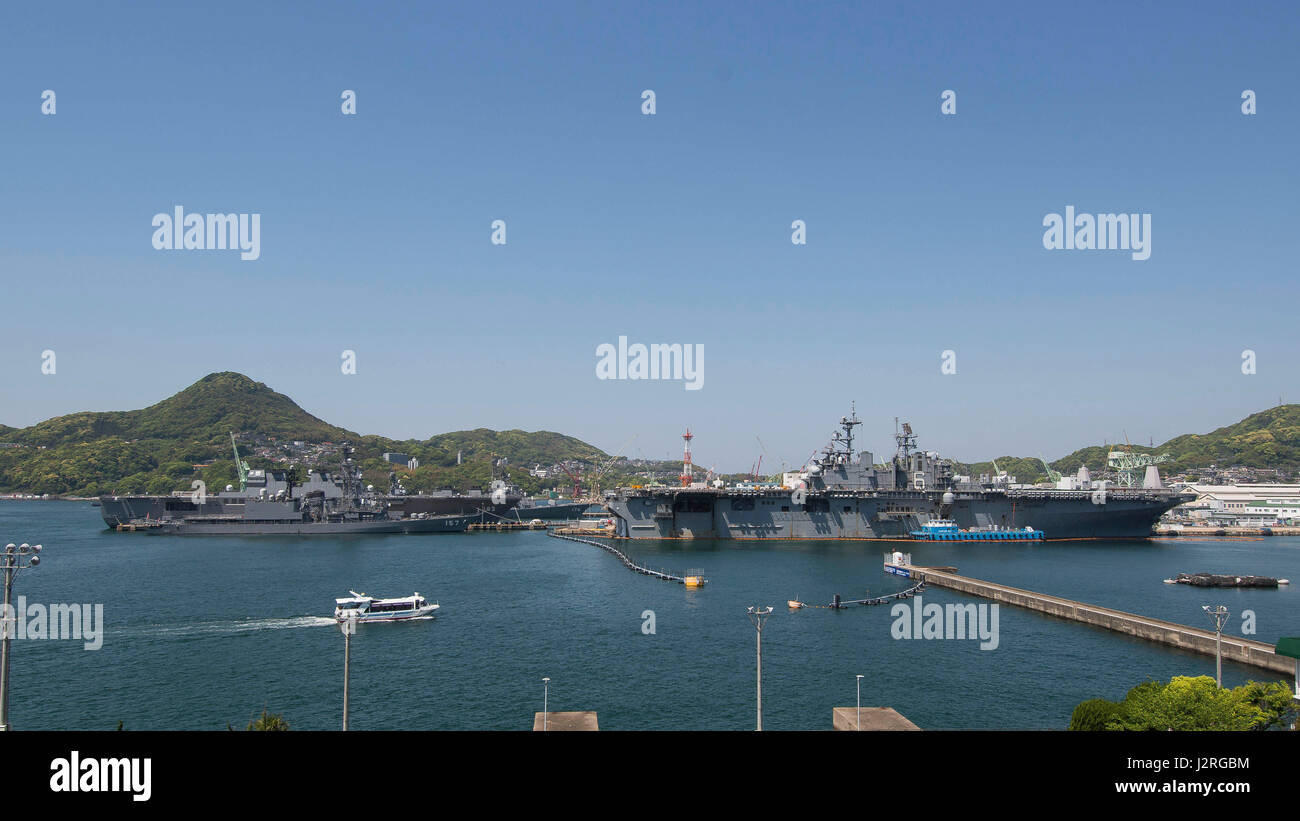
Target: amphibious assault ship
(843, 494)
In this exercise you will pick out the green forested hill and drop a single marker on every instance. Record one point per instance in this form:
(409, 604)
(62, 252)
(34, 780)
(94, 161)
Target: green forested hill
(1268, 439)
(155, 449)
(205, 412)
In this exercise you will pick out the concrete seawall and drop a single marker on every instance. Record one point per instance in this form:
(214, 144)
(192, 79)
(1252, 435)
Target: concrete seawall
(1246, 651)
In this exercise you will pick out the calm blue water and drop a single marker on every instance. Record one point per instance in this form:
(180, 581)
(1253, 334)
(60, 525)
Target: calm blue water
(205, 631)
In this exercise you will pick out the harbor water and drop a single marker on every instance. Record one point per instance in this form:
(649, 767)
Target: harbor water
(205, 632)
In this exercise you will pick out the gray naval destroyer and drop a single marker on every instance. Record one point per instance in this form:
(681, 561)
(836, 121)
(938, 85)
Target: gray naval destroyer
(270, 503)
(501, 501)
(843, 494)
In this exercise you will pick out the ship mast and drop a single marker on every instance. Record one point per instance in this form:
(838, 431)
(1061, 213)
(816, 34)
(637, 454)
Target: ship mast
(688, 471)
(349, 487)
(848, 423)
(906, 441)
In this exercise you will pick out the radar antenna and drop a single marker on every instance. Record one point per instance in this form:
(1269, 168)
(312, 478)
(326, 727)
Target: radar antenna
(906, 440)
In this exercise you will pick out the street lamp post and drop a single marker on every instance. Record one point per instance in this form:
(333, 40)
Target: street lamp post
(15, 558)
(859, 701)
(1220, 615)
(348, 626)
(546, 696)
(757, 615)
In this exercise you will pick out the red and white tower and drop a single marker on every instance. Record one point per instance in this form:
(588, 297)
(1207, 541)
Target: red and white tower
(688, 474)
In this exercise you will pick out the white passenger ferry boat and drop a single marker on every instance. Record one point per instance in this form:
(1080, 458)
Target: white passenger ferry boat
(368, 608)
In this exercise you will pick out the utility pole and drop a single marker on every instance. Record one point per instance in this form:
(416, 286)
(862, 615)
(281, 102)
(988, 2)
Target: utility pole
(1220, 615)
(14, 558)
(348, 626)
(757, 615)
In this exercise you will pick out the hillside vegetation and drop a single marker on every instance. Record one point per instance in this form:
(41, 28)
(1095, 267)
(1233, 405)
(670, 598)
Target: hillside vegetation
(156, 449)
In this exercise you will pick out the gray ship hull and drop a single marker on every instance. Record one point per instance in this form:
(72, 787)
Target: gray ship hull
(454, 505)
(891, 515)
(202, 527)
(561, 511)
(120, 510)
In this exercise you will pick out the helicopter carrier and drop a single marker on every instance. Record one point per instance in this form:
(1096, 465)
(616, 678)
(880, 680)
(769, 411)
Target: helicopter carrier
(843, 494)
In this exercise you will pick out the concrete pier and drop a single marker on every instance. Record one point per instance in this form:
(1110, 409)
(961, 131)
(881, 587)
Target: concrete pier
(1246, 651)
(873, 719)
(566, 721)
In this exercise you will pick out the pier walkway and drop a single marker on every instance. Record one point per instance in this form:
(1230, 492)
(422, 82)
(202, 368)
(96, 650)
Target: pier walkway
(694, 581)
(1246, 651)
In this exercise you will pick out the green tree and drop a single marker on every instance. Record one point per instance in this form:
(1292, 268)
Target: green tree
(1093, 714)
(268, 721)
(1189, 703)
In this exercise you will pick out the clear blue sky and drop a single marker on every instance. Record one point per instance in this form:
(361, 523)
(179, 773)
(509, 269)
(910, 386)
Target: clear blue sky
(924, 231)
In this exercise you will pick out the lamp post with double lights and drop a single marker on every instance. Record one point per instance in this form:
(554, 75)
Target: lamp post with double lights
(15, 558)
(349, 628)
(1220, 615)
(757, 615)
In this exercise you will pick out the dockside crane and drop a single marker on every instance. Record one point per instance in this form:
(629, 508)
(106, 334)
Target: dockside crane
(1128, 465)
(600, 471)
(1051, 474)
(240, 465)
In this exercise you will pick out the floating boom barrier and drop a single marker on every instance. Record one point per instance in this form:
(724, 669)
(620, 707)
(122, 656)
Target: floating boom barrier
(843, 604)
(690, 580)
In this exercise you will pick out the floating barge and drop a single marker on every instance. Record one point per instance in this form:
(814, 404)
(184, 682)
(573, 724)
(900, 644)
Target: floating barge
(946, 530)
(1224, 580)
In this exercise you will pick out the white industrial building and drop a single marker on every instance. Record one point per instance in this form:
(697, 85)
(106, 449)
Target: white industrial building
(1246, 505)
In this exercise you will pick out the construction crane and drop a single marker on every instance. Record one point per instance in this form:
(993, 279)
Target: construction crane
(600, 471)
(240, 465)
(1051, 474)
(577, 481)
(763, 447)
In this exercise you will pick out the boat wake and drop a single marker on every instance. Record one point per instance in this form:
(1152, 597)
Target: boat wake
(226, 628)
